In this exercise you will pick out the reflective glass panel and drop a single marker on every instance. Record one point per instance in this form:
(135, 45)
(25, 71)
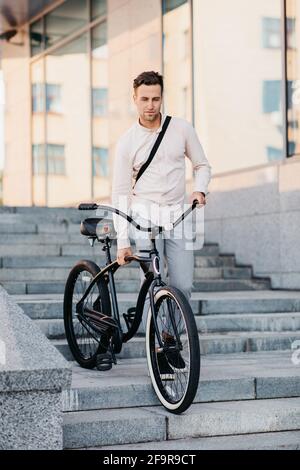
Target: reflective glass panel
(238, 82)
(37, 39)
(68, 147)
(65, 19)
(99, 8)
(100, 117)
(293, 74)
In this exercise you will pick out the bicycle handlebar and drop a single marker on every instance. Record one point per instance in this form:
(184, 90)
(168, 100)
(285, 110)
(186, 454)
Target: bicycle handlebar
(159, 229)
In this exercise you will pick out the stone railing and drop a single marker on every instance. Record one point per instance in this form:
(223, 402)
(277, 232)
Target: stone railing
(32, 377)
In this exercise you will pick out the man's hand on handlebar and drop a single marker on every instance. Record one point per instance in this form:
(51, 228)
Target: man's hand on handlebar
(121, 255)
(200, 197)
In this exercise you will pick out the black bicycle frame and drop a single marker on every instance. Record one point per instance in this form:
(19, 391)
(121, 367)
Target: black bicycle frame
(112, 266)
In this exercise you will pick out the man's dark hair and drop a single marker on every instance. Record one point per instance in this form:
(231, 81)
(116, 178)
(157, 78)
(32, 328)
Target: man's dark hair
(149, 78)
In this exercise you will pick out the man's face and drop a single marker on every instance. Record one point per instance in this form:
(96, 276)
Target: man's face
(148, 101)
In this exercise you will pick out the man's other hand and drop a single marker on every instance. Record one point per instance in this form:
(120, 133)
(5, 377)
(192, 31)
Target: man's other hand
(121, 255)
(199, 196)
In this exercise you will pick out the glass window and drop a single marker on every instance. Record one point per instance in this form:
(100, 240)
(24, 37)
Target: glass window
(291, 33)
(293, 74)
(65, 19)
(271, 96)
(68, 134)
(99, 100)
(55, 156)
(271, 32)
(37, 38)
(38, 133)
(53, 98)
(100, 162)
(38, 97)
(274, 154)
(39, 161)
(100, 112)
(56, 159)
(99, 41)
(177, 67)
(169, 5)
(238, 82)
(99, 8)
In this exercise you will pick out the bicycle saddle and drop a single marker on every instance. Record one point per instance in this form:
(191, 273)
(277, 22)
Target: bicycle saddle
(97, 227)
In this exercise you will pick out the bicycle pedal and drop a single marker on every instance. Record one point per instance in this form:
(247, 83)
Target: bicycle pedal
(104, 362)
(129, 317)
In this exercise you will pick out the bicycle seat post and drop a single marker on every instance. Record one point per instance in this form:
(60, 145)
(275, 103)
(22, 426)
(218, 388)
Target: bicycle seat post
(106, 249)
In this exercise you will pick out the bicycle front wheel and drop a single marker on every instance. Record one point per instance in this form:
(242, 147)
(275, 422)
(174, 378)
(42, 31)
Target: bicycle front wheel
(175, 367)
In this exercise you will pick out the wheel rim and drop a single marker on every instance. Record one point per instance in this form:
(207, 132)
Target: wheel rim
(87, 339)
(173, 391)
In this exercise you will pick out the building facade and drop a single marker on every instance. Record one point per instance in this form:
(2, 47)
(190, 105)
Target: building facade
(231, 68)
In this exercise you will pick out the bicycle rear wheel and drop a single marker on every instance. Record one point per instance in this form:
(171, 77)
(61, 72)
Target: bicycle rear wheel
(84, 341)
(175, 368)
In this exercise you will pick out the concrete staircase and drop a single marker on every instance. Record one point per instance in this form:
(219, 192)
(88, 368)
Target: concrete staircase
(249, 383)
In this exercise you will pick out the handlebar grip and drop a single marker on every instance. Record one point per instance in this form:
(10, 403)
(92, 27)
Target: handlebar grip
(88, 206)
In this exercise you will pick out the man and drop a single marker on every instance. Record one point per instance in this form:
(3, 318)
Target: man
(163, 182)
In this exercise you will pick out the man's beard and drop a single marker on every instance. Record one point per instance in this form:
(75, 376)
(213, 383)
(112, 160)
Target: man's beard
(151, 117)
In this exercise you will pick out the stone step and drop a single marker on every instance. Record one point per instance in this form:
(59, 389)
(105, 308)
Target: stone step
(90, 428)
(74, 238)
(14, 228)
(276, 322)
(286, 440)
(131, 425)
(53, 309)
(84, 249)
(43, 239)
(43, 214)
(126, 273)
(54, 328)
(223, 378)
(37, 250)
(44, 261)
(18, 227)
(206, 261)
(271, 301)
(123, 286)
(140, 391)
(220, 285)
(206, 303)
(58, 228)
(57, 287)
(211, 343)
(55, 274)
(69, 261)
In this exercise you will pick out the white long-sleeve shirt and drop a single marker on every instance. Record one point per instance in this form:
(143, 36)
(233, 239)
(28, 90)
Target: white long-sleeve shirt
(163, 182)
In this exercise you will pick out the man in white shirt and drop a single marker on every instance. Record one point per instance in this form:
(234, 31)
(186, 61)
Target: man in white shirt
(163, 182)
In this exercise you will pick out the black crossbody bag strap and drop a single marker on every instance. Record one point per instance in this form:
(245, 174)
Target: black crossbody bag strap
(154, 149)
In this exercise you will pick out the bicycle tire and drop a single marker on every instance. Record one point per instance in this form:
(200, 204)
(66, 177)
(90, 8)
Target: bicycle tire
(85, 359)
(163, 389)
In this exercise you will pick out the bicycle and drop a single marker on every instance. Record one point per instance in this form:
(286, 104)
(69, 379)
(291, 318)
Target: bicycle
(92, 321)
